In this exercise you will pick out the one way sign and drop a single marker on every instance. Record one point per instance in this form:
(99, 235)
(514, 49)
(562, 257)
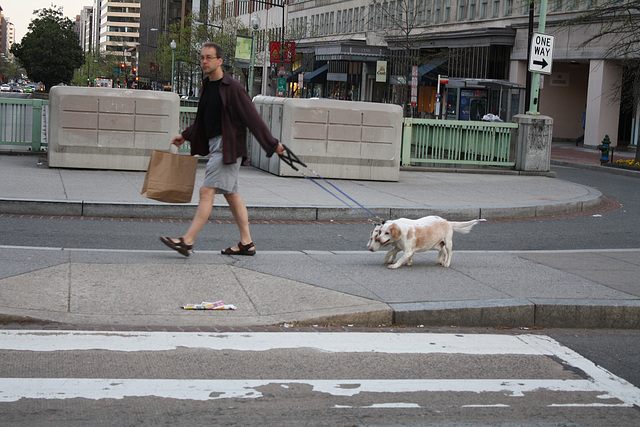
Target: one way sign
(541, 55)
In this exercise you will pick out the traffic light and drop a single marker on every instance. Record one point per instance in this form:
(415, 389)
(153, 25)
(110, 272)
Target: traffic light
(122, 65)
(134, 70)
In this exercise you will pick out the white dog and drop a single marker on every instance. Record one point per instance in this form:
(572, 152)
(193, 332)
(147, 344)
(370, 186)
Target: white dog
(420, 235)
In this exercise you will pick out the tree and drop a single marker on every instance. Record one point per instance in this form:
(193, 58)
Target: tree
(618, 22)
(50, 51)
(396, 21)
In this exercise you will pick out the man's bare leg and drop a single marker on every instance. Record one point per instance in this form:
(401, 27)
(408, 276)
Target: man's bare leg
(240, 214)
(205, 206)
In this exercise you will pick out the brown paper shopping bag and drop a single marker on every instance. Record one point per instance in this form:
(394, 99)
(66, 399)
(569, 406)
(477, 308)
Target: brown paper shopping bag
(170, 177)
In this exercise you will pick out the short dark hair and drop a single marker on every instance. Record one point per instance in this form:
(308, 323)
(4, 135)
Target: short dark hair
(219, 51)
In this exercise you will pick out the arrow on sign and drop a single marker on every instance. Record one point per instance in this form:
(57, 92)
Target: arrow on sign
(542, 63)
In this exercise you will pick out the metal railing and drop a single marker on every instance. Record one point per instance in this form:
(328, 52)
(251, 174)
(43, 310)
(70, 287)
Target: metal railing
(429, 141)
(21, 122)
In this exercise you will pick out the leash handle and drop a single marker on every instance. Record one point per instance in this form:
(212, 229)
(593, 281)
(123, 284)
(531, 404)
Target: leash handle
(290, 158)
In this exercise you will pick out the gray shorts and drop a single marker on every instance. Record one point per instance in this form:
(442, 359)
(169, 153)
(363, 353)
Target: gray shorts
(222, 177)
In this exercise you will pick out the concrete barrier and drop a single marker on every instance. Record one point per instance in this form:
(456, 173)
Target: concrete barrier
(102, 128)
(337, 139)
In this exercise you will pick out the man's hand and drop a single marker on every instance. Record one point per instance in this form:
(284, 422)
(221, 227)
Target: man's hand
(177, 140)
(280, 149)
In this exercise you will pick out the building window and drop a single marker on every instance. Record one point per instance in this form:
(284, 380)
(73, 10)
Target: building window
(385, 16)
(447, 10)
(508, 7)
(331, 23)
(436, 12)
(427, 12)
(339, 23)
(356, 20)
(483, 9)
(472, 9)
(362, 18)
(391, 12)
(462, 10)
(344, 21)
(411, 11)
(495, 10)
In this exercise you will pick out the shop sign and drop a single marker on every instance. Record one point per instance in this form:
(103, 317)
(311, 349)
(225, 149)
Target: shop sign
(274, 49)
(381, 71)
(414, 86)
(289, 52)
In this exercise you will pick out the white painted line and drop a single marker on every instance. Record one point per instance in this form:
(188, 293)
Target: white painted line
(497, 405)
(13, 389)
(607, 385)
(304, 251)
(333, 342)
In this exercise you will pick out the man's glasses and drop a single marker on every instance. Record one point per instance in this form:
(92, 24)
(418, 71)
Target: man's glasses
(209, 58)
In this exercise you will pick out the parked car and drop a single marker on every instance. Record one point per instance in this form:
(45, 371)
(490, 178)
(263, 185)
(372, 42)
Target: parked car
(16, 88)
(29, 89)
(5, 88)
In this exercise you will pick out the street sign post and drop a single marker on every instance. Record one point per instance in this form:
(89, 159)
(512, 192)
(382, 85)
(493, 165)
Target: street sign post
(541, 54)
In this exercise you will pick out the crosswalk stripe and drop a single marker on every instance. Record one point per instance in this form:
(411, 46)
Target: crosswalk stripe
(610, 389)
(12, 389)
(392, 343)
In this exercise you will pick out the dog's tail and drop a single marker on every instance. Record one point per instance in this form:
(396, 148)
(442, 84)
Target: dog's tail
(464, 226)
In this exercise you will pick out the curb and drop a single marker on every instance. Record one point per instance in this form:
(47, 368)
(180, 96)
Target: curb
(520, 312)
(598, 168)
(82, 208)
(507, 313)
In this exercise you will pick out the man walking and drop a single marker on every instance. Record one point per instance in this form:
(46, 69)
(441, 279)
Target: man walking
(220, 131)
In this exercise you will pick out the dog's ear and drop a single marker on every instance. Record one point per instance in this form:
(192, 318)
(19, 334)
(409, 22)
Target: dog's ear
(395, 232)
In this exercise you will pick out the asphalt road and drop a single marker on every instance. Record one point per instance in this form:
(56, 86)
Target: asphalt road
(613, 226)
(288, 378)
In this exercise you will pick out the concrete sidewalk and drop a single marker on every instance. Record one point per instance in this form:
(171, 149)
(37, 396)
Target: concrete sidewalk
(145, 289)
(28, 186)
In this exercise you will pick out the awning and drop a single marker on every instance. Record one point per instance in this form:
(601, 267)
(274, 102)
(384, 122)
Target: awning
(351, 51)
(429, 72)
(430, 66)
(293, 76)
(317, 76)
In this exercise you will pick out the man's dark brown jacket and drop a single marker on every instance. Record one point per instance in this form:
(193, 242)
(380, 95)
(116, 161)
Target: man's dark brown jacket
(238, 114)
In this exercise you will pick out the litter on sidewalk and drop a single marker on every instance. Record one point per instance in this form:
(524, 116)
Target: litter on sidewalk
(218, 305)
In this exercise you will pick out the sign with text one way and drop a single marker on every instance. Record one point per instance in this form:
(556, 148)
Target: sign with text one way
(541, 54)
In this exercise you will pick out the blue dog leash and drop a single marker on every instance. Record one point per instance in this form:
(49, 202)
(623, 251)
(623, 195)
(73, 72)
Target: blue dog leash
(291, 159)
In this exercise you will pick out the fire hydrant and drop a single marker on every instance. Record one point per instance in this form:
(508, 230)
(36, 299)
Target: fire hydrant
(604, 150)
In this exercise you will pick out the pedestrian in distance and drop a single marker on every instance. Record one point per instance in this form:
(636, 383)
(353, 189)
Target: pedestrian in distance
(219, 131)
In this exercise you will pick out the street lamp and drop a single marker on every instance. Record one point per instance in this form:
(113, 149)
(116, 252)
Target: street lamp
(255, 24)
(173, 58)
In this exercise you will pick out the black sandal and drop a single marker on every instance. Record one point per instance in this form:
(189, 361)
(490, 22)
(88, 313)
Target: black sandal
(242, 250)
(180, 247)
